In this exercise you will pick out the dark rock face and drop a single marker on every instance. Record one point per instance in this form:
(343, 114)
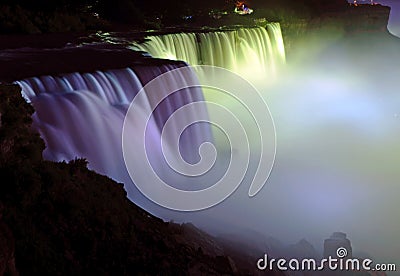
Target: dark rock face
(7, 248)
(30, 62)
(362, 18)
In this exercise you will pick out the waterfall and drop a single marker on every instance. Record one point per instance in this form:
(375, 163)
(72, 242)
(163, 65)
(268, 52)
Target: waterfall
(82, 115)
(246, 51)
(88, 115)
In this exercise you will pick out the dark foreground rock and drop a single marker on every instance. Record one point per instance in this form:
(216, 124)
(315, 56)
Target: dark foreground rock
(7, 248)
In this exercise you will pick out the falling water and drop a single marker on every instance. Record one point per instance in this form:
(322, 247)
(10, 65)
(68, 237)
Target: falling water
(246, 51)
(81, 115)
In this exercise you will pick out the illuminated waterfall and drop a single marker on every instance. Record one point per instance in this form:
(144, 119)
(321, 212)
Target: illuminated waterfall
(246, 51)
(81, 115)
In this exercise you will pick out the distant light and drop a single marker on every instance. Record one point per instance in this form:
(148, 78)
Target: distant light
(242, 9)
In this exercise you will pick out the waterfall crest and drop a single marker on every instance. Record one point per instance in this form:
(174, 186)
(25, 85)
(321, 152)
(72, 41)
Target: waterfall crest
(245, 51)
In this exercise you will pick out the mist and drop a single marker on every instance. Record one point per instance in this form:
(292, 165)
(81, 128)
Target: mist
(336, 111)
(337, 160)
